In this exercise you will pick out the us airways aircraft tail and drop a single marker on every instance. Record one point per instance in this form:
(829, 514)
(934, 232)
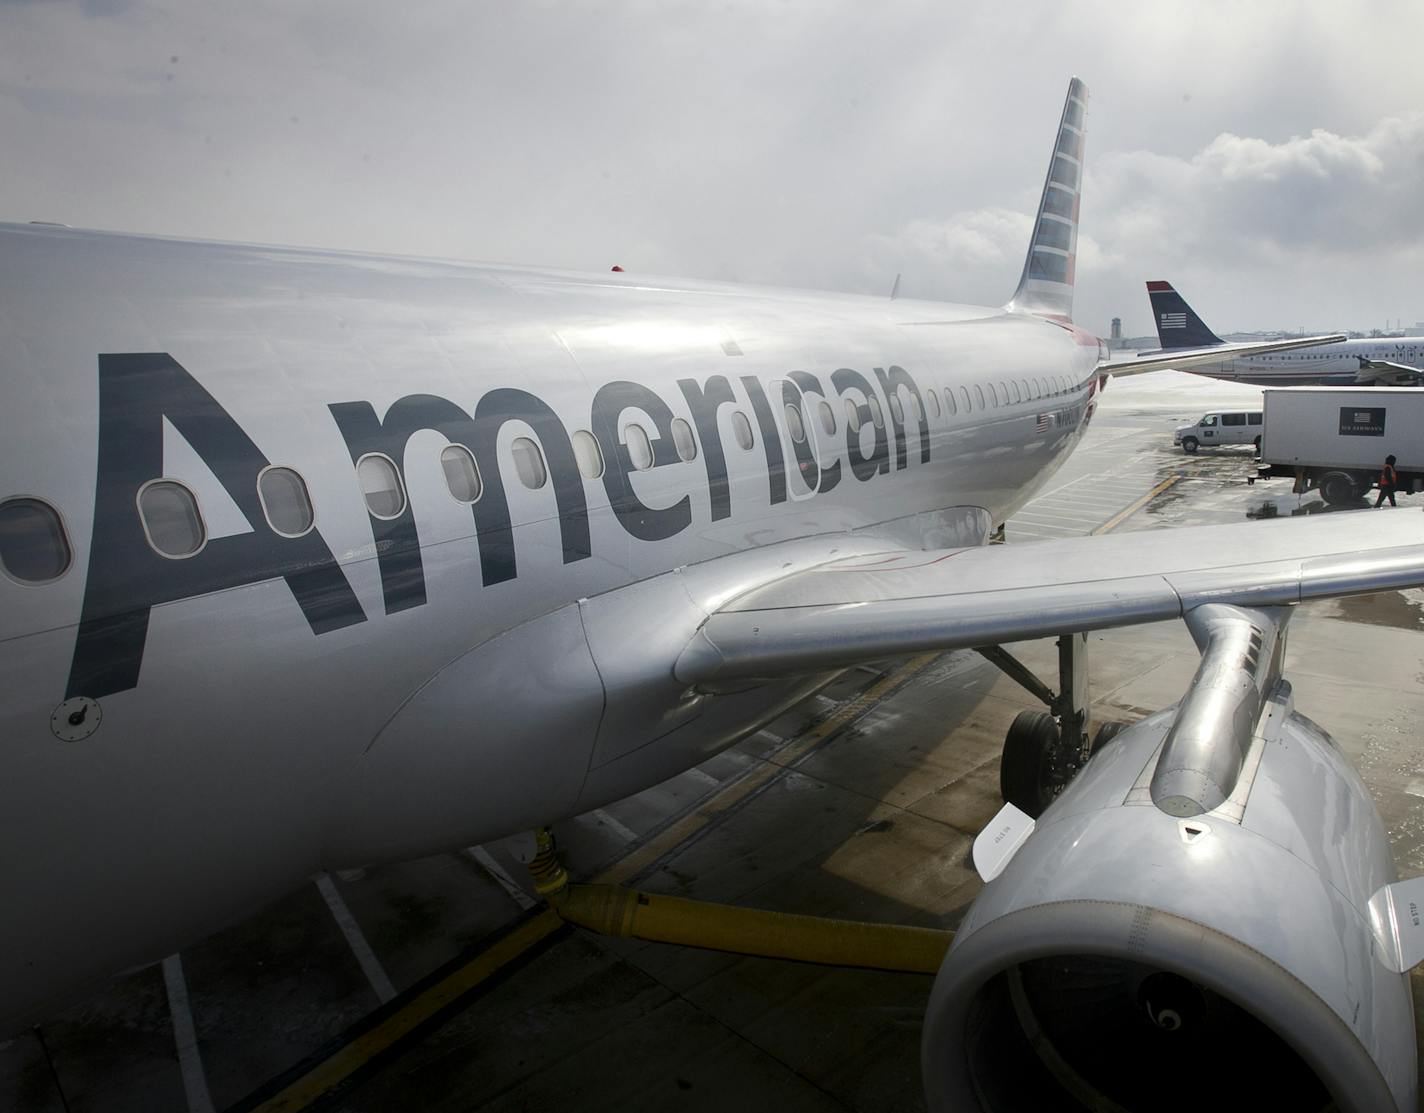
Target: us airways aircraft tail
(1187, 343)
(1178, 325)
(314, 560)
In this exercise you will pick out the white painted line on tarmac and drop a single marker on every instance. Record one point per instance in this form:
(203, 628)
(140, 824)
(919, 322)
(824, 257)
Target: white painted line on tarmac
(1061, 487)
(624, 832)
(507, 883)
(706, 778)
(370, 964)
(1043, 518)
(185, 1038)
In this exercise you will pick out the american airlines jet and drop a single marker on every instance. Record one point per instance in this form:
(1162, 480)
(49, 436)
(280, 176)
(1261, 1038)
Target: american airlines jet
(314, 560)
(1394, 361)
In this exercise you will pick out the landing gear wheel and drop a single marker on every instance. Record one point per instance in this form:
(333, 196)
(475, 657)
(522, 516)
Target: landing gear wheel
(1026, 769)
(1106, 733)
(1189, 445)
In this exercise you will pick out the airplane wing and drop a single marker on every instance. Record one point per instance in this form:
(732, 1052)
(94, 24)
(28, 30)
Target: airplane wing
(896, 603)
(1183, 359)
(1372, 370)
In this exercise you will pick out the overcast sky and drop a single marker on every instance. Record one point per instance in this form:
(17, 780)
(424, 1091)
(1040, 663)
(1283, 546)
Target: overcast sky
(1268, 158)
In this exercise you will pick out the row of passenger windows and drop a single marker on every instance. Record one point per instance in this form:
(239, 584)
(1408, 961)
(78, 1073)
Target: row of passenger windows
(35, 549)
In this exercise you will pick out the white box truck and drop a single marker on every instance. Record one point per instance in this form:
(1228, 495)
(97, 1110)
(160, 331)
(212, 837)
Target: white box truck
(1335, 438)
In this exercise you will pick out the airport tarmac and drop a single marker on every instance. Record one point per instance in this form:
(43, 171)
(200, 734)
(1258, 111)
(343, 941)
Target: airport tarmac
(362, 992)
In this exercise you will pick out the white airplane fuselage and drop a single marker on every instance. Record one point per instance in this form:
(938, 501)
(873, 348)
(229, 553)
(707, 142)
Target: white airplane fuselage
(1336, 365)
(387, 686)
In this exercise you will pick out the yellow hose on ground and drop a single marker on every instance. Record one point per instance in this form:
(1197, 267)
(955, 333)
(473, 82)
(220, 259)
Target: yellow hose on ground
(630, 914)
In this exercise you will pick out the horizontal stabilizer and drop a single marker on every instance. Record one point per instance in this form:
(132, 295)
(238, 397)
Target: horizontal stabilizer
(1196, 357)
(1397, 920)
(898, 603)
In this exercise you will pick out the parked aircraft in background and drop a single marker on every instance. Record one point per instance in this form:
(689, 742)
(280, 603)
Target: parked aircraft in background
(1393, 361)
(315, 560)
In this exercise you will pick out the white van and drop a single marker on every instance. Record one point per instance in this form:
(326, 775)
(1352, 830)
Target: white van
(1221, 428)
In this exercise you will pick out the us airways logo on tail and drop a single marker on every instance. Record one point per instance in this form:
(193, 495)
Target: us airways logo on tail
(129, 574)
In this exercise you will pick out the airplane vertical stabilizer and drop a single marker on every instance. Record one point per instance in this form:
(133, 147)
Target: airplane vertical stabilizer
(1046, 288)
(1178, 326)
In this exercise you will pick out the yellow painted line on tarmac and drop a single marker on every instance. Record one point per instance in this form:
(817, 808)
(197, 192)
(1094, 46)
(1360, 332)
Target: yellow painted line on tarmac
(331, 1072)
(740, 789)
(1128, 511)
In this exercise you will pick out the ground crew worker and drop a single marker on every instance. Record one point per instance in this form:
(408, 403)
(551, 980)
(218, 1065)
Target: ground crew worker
(1388, 481)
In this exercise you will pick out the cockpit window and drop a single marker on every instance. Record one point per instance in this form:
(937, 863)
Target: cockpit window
(33, 545)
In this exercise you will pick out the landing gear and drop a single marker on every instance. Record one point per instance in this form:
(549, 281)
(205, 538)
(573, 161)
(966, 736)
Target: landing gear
(1028, 774)
(1106, 733)
(1044, 751)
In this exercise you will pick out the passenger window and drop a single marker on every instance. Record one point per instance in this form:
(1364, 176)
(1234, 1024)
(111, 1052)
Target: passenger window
(683, 440)
(897, 411)
(285, 501)
(932, 400)
(381, 485)
(852, 412)
(742, 429)
(1233, 419)
(588, 454)
(1253, 419)
(794, 425)
(529, 463)
(968, 405)
(33, 546)
(828, 418)
(949, 402)
(640, 449)
(979, 393)
(877, 415)
(462, 475)
(1015, 387)
(171, 518)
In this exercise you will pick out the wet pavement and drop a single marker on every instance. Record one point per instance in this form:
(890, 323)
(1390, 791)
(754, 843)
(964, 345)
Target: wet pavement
(867, 798)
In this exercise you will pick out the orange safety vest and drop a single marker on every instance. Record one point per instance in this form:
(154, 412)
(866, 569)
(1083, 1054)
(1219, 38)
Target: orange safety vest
(1389, 478)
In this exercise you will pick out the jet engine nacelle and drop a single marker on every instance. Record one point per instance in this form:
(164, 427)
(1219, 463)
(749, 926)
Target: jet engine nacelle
(1129, 959)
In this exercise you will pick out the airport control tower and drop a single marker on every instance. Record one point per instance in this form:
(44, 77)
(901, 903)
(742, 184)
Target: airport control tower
(1115, 338)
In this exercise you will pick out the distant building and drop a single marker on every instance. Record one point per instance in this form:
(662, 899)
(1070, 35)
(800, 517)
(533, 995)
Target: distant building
(1115, 340)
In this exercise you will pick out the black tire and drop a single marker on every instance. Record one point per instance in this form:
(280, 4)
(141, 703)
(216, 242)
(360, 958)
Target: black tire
(1189, 445)
(1338, 488)
(1106, 733)
(1025, 769)
(1257, 443)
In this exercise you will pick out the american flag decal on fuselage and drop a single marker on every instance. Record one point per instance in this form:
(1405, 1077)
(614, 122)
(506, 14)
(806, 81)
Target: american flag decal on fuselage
(1174, 320)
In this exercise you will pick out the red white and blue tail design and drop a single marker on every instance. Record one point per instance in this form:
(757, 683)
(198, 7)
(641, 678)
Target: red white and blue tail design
(1046, 288)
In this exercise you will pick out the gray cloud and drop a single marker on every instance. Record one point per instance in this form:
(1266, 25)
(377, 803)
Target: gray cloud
(825, 144)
